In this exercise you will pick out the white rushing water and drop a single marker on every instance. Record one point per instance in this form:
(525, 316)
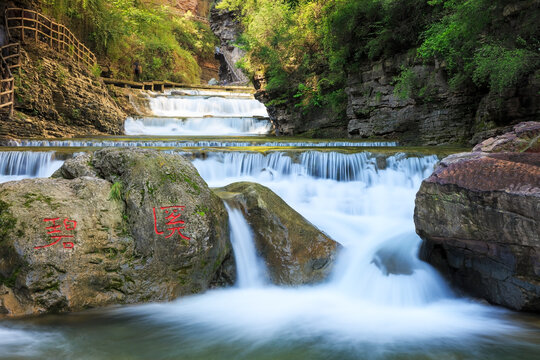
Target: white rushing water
(250, 269)
(149, 142)
(17, 165)
(203, 106)
(191, 112)
(379, 292)
(196, 126)
(380, 300)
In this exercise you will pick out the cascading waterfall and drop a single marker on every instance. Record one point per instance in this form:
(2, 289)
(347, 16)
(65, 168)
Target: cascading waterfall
(196, 126)
(201, 106)
(196, 143)
(250, 269)
(16, 165)
(188, 113)
(380, 292)
(381, 300)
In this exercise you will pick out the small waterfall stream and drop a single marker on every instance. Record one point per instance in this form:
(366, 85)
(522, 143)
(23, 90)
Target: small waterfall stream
(250, 269)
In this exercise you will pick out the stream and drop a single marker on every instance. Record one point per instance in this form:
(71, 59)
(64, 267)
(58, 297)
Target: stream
(381, 302)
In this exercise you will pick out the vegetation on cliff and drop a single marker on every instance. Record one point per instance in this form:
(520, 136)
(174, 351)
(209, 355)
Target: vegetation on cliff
(306, 48)
(166, 42)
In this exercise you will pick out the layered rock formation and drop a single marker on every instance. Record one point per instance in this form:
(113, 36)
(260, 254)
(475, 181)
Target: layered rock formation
(479, 216)
(119, 226)
(227, 28)
(58, 98)
(433, 113)
(295, 252)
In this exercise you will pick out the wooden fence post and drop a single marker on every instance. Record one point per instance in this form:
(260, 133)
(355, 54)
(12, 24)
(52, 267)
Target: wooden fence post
(22, 25)
(12, 99)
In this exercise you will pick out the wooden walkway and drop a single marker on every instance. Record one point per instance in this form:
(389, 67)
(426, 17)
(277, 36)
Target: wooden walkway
(162, 85)
(31, 24)
(25, 24)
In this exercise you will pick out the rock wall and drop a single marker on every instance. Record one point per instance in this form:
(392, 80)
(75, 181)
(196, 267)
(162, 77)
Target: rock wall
(479, 217)
(55, 97)
(434, 114)
(227, 28)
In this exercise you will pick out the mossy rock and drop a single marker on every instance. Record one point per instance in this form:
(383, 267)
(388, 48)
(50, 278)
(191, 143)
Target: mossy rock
(294, 250)
(123, 247)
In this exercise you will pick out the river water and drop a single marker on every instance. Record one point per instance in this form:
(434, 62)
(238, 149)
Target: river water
(381, 301)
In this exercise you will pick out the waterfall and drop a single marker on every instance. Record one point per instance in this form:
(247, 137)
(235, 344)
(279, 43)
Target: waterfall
(204, 106)
(196, 126)
(250, 270)
(16, 165)
(195, 112)
(152, 142)
(318, 165)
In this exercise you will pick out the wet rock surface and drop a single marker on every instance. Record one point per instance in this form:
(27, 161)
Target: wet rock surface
(143, 226)
(479, 216)
(295, 251)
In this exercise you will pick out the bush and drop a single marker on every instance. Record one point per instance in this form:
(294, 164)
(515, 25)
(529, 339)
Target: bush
(167, 45)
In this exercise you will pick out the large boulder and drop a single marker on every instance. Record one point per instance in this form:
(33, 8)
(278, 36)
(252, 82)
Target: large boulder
(115, 227)
(295, 251)
(479, 216)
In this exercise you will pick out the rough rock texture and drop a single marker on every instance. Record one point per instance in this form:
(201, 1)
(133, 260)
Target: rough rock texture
(288, 120)
(227, 28)
(433, 114)
(58, 98)
(294, 251)
(479, 216)
(123, 251)
(524, 137)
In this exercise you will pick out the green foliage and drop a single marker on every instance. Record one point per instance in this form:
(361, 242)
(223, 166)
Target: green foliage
(166, 44)
(116, 191)
(476, 42)
(500, 68)
(96, 71)
(406, 84)
(306, 48)
(61, 75)
(7, 221)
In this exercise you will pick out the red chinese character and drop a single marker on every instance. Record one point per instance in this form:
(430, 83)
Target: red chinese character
(54, 228)
(172, 214)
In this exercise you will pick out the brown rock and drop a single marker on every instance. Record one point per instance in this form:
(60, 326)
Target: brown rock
(295, 251)
(479, 217)
(525, 137)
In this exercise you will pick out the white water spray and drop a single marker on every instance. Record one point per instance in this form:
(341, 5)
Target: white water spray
(380, 291)
(196, 126)
(200, 106)
(17, 165)
(250, 270)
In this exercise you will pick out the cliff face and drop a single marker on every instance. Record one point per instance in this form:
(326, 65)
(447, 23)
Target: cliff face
(433, 114)
(57, 98)
(227, 28)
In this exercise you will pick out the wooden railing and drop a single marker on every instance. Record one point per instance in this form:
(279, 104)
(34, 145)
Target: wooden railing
(12, 55)
(31, 24)
(162, 85)
(7, 86)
